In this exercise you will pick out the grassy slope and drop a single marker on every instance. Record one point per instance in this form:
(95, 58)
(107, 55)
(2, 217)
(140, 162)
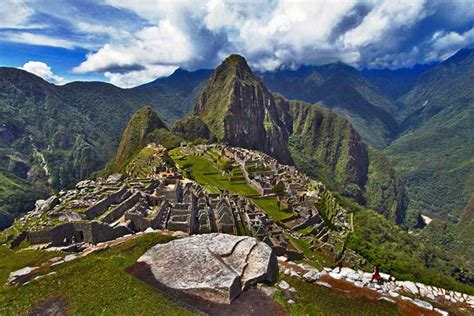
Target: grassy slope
(96, 284)
(313, 299)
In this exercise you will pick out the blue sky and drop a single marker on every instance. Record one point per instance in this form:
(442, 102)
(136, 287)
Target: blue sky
(129, 42)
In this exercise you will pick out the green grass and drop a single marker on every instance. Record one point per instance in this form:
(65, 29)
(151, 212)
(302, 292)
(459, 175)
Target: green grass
(206, 174)
(270, 206)
(96, 284)
(306, 230)
(14, 260)
(312, 299)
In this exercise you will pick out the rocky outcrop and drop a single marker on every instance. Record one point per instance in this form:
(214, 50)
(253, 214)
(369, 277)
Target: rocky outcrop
(240, 111)
(215, 267)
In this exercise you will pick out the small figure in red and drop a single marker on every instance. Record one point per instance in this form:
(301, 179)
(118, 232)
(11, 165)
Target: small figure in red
(376, 275)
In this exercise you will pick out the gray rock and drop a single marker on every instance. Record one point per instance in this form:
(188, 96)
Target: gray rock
(441, 312)
(311, 276)
(423, 304)
(268, 290)
(15, 274)
(114, 178)
(69, 258)
(336, 276)
(85, 184)
(48, 205)
(323, 283)
(39, 204)
(408, 286)
(283, 285)
(216, 267)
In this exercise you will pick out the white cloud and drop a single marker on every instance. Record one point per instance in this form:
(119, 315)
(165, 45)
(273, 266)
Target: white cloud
(200, 33)
(137, 77)
(112, 32)
(38, 39)
(445, 44)
(44, 71)
(387, 16)
(14, 14)
(156, 45)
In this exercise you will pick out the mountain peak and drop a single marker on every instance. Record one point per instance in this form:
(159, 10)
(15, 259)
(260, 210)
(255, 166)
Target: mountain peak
(239, 110)
(143, 122)
(235, 65)
(235, 59)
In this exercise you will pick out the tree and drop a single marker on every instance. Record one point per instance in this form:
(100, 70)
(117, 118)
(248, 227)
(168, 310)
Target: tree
(226, 166)
(279, 190)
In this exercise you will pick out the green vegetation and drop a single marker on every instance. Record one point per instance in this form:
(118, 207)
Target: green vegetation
(142, 123)
(326, 147)
(72, 130)
(142, 164)
(344, 90)
(403, 254)
(192, 128)
(313, 299)
(11, 260)
(435, 150)
(386, 190)
(270, 206)
(96, 284)
(205, 173)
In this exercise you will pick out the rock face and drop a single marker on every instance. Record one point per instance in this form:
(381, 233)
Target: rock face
(216, 267)
(240, 111)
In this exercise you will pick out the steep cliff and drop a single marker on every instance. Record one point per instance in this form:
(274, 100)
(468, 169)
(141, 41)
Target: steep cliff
(326, 146)
(240, 111)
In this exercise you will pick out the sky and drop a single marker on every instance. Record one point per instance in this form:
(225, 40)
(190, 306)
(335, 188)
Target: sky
(128, 43)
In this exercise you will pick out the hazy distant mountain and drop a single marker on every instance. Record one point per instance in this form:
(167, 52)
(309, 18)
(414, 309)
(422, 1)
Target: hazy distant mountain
(394, 83)
(344, 90)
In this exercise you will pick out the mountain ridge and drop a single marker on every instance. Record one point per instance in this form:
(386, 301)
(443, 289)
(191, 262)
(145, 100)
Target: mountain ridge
(238, 110)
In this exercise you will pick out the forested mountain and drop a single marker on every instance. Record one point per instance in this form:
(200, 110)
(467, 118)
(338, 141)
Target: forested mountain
(422, 116)
(435, 149)
(52, 136)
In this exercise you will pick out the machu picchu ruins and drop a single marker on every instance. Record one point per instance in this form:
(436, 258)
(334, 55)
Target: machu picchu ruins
(105, 209)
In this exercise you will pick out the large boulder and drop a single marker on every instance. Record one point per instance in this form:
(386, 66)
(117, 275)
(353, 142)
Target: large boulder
(46, 205)
(216, 267)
